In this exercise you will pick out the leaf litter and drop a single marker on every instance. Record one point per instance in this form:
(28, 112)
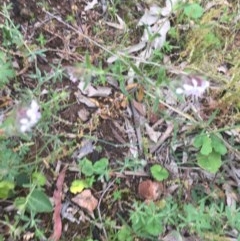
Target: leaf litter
(131, 131)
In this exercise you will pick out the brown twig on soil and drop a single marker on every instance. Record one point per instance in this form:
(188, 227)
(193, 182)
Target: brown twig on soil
(98, 207)
(165, 135)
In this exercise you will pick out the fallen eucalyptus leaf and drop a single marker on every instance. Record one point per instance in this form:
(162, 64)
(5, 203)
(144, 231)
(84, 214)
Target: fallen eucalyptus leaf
(86, 200)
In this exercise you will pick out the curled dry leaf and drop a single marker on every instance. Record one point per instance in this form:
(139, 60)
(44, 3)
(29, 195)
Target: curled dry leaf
(150, 190)
(121, 25)
(91, 91)
(86, 200)
(57, 197)
(85, 149)
(89, 102)
(91, 5)
(153, 135)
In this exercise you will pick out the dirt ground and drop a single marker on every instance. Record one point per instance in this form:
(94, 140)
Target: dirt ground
(102, 123)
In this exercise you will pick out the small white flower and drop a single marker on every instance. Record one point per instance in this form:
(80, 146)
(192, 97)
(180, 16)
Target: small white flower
(28, 117)
(23, 121)
(193, 86)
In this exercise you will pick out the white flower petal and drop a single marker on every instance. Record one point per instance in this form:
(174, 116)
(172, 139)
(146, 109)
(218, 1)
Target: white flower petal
(179, 91)
(24, 128)
(24, 121)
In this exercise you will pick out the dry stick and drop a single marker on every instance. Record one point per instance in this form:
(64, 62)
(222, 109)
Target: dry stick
(98, 208)
(165, 135)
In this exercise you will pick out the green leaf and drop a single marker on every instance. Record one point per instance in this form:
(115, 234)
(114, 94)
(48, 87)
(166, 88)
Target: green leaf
(38, 202)
(193, 10)
(210, 163)
(86, 167)
(100, 166)
(124, 234)
(39, 178)
(206, 145)
(77, 186)
(218, 145)
(154, 227)
(198, 141)
(5, 188)
(158, 172)
(6, 70)
(20, 203)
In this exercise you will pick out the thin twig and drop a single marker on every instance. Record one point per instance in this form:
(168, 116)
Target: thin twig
(165, 135)
(98, 207)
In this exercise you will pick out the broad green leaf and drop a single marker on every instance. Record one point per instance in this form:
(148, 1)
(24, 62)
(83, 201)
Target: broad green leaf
(206, 145)
(100, 166)
(38, 202)
(210, 163)
(193, 10)
(5, 188)
(20, 203)
(198, 141)
(77, 186)
(158, 172)
(39, 178)
(218, 145)
(86, 167)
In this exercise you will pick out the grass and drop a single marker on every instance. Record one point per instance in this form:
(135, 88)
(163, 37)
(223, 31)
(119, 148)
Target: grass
(205, 208)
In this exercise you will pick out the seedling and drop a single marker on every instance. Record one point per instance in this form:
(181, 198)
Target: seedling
(159, 173)
(212, 149)
(99, 168)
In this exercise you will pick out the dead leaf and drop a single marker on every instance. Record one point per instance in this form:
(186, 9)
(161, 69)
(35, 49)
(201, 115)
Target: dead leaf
(86, 200)
(153, 135)
(91, 91)
(57, 197)
(28, 236)
(69, 211)
(140, 93)
(121, 25)
(169, 7)
(85, 149)
(140, 107)
(132, 49)
(85, 100)
(91, 5)
(174, 235)
(150, 16)
(83, 114)
(149, 190)
(231, 196)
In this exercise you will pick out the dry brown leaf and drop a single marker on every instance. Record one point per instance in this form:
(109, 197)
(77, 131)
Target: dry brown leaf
(86, 200)
(85, 100)
(153, 135)
(140, 93)
(140, 107)
(91, 91)
(150, 190)
(83, 114)
(57, 197)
